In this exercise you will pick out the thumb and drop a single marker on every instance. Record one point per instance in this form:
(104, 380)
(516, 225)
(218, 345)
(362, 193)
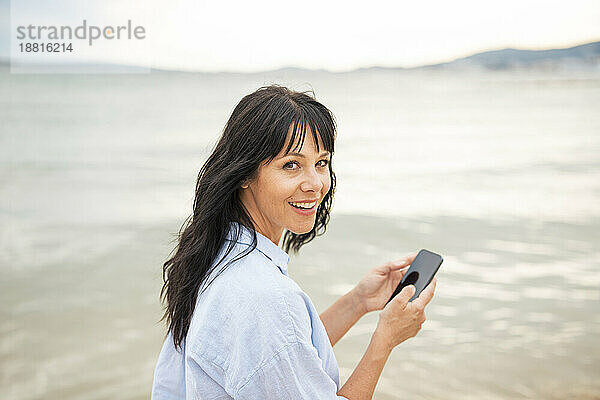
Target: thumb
(405, 294)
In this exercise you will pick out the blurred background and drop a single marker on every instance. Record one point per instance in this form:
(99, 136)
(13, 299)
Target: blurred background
(468, 128)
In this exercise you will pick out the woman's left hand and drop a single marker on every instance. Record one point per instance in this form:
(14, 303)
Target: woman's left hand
(374, 290)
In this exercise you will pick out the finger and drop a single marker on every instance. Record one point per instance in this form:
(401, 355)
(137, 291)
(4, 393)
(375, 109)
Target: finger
(402, 262)
(398, 275)
(426, 295)
(402, 265)
(405, 294)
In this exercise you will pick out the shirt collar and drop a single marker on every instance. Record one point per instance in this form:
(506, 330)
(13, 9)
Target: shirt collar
(263, 244)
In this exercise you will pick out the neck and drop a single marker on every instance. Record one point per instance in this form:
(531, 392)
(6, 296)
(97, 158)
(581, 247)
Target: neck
(260, 222)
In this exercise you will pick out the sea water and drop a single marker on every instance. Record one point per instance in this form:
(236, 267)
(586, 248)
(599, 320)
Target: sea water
(497, 171)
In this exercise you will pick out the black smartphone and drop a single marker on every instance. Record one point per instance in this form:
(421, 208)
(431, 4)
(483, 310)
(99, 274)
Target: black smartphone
(420, 273)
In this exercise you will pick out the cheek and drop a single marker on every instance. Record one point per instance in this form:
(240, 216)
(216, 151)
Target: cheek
(279, 189)
(326, 184)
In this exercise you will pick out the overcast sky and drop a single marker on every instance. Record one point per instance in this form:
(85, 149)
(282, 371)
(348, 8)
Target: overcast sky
(334, 35)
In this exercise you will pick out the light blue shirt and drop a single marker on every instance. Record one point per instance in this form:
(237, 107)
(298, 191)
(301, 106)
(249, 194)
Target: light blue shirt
(254, 335)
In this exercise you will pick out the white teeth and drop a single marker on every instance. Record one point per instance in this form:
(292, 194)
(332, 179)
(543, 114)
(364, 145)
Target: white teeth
(305, 206)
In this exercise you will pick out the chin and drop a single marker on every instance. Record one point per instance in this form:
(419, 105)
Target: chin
(300, 229)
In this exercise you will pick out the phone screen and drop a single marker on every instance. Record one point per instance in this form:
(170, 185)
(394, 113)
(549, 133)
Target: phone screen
(420, 272)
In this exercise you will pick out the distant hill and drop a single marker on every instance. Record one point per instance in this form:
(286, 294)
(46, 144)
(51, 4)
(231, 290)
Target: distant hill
(585, 56)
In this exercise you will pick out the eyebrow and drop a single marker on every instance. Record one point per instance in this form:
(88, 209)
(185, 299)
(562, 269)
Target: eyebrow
(323, 154)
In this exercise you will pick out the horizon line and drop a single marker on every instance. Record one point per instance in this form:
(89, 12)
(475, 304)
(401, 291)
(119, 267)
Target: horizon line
(7, 61)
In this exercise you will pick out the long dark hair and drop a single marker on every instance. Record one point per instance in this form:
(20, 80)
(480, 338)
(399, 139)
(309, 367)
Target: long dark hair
(255, 132)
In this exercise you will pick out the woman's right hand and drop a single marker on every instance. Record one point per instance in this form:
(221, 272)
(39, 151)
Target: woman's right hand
(401, 319)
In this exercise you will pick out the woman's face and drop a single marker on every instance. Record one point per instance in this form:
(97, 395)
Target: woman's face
(287, 192)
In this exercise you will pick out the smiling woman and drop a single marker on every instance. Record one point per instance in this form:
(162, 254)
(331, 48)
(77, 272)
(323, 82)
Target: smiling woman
(288, 190)
(238, 326)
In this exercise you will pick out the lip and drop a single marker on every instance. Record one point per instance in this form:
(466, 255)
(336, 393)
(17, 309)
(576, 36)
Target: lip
(309, 211)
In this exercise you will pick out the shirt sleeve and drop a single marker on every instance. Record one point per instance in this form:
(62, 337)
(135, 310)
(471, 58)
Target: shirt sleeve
(295, 372)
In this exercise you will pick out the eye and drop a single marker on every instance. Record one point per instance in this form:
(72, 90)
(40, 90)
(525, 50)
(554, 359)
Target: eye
(289, 164)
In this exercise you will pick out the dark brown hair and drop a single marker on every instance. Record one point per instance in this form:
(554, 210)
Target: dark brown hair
(255, 132)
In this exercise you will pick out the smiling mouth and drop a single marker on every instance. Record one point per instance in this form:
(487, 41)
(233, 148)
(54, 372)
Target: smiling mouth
(303, 206)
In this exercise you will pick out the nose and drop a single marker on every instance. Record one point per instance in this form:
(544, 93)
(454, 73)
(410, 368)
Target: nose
(312, 181)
